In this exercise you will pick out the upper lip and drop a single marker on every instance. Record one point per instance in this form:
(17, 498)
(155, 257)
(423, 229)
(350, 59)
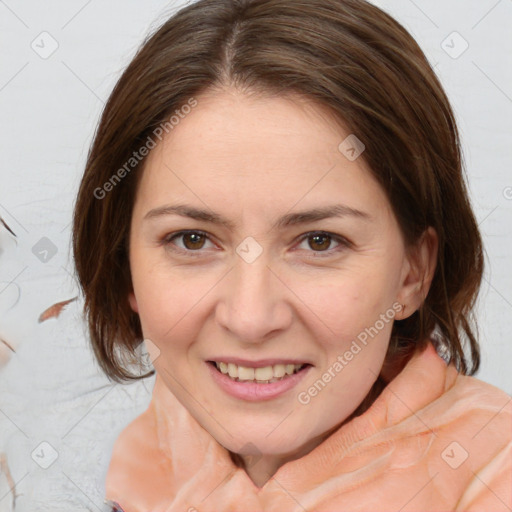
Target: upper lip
(260, 363)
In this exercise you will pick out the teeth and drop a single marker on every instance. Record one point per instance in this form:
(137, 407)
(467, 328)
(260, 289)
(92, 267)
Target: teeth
(289, 368)
(279, 371)
(232, 370)
(245, 373)
(265, 374)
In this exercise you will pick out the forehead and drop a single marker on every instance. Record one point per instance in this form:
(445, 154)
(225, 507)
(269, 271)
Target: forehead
(252, 150)
(241, 127)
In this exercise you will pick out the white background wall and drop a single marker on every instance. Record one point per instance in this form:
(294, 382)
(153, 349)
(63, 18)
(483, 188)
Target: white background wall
(51, 390)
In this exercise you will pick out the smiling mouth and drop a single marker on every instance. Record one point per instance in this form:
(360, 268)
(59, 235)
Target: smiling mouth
(264, 375)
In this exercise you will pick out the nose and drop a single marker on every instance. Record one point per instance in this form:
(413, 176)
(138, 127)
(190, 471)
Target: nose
(255, 303)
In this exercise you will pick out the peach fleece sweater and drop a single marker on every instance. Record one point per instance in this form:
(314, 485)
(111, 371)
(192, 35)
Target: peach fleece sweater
(433, 440)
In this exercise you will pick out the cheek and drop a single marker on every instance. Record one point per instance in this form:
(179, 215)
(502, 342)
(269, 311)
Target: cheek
(170, 303)
(343, 304)
(163, 311)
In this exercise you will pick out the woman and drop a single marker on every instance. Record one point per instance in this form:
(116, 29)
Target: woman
(275, 202)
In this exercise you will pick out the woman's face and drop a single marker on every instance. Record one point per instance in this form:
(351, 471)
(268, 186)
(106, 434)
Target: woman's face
(291, 256)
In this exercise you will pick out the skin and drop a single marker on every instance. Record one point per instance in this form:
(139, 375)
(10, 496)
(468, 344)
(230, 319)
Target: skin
(253, 159)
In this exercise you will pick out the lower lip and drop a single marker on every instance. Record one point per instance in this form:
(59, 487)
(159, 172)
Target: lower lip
(252, 391)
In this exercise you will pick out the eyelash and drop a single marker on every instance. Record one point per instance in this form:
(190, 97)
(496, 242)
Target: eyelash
(167, 242)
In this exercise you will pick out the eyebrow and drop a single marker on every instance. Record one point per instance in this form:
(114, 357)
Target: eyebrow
(290, 219)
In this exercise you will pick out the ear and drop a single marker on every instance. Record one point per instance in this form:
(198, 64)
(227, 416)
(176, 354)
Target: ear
(418, 273)
(133, 302)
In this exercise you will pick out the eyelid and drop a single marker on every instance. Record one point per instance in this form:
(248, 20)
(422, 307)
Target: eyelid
(167, 241)
(342, 241)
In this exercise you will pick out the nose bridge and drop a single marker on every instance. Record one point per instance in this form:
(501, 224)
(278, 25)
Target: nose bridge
(253, 301)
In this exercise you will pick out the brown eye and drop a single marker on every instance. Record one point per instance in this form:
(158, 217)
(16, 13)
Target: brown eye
(319, 242)
(193, 241)
(187, 242)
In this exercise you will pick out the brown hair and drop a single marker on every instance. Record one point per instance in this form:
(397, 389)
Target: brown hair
(346, 55)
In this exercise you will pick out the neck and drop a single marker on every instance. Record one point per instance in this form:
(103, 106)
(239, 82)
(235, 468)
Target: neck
(261, 468)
